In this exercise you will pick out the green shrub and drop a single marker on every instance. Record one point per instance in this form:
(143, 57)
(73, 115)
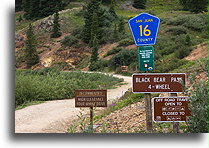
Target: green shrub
(126, 42)
(124, 57)
(70, 41)
(196, 22)
(99, 65)
(164, 46)
(62, 66)
(114, 50)
(176, 30)
(51, 84)
(198, 105)
(182, 51)
(107, 35)
(168, 65)
(77, 32)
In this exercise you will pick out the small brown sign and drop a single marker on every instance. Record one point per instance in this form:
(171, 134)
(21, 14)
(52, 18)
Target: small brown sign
(170, 109)
(124, 68)
(91, 98)
(158, 82)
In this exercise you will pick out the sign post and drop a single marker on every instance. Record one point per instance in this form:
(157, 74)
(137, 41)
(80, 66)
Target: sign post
(144, 29)
(147, 97)
(91, 99)
(175, 124)
(156, 83)
(91, 118)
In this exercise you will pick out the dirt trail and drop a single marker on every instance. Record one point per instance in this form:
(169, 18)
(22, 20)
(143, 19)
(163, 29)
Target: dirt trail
(55, 116)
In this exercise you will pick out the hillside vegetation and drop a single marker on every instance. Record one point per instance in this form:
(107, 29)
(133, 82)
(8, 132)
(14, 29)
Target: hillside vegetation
(179, 32)
(50, 84)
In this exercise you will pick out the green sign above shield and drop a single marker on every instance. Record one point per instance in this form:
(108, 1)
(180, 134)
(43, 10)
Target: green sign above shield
(146, 58)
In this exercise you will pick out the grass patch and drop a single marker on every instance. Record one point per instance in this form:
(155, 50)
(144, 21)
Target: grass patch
(48, 84)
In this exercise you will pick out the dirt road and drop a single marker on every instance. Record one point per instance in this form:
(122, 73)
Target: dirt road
(55, 116)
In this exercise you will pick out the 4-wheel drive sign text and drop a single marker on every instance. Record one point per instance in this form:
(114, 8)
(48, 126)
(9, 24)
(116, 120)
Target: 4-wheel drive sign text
(158, 82)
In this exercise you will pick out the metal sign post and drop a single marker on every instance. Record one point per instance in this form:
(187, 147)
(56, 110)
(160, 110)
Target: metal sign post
(91, 118)
(144, 29)
(147, 97)
(175, 124)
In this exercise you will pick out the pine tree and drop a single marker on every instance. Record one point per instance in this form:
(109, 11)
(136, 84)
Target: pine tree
(26, 9)
(18, 5)
(56, 26)
(112, 11)
(94, 29)
(31, 55)
(40, 8)
(94, 54)
(93, 7)
(34, 9)
(194, 5)
(121, 26)
(139, 4)
(115, 32)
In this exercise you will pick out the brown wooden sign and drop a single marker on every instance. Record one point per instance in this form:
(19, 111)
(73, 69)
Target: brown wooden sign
(158, 82)
(170, 109)
(91, 98)
(124, 68)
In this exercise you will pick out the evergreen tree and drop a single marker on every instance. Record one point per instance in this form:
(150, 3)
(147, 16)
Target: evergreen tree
(93, 7)
(40, 8)
(26, 9)
(112, 11)
(139, 4)
(94, 29)
(94, 54)
(56, 26)
(18, 5)
(34, 9)
(115, 32)
(194, 5)
(31, 55)
(121, 26)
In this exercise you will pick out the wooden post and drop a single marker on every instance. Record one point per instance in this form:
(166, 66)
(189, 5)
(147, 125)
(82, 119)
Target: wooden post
(91, 118)
(147, 97)
(175, 124)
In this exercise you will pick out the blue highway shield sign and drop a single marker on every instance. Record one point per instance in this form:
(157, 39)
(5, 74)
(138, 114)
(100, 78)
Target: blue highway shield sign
(144, 28)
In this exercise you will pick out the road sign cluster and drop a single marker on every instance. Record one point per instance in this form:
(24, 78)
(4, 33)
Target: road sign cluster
(144, 29)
